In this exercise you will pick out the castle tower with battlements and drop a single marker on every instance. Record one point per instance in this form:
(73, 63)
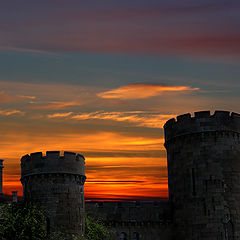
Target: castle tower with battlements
(55, 183)
(203, 154)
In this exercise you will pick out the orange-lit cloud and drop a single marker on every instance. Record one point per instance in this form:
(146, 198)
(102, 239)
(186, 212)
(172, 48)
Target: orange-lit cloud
(48, 95)
(143, 119)
(59, 115)
(27, 97)
(11, 112)
(58, 105)
(142, 90)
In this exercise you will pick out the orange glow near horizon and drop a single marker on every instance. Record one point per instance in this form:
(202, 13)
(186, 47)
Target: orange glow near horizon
(118, 166)
(113, 179)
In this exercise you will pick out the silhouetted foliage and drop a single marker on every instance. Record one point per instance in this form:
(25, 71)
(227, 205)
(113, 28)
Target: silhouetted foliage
(61, 236)
(95, 230)
(18, 222)
(22, 223)
(177, 234)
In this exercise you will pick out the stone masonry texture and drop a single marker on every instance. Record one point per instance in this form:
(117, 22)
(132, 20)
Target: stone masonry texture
(203, 154)
(134, 220)
(56, 184)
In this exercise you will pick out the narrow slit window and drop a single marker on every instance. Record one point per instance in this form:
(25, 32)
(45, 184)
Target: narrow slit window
(193, 183)
(123, 236)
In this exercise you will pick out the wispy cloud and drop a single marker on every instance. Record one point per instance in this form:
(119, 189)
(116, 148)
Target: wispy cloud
(142, 90)
(143, 119)
(59, 115)
(27, 97)
(26, 50)
(11, 112)
(159, 28)
(58, 105)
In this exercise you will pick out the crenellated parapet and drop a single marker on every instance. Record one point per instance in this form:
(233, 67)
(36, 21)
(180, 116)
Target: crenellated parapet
(201, 122)
(52, 162)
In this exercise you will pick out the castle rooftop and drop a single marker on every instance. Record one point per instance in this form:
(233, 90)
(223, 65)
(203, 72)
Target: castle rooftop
(202, 121)
(52, 162)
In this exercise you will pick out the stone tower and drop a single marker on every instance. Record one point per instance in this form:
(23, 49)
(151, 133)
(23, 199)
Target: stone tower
(56, 184)
(203, 154)
(1, 176)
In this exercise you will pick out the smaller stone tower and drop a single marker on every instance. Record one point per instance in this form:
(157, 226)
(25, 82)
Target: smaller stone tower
(56, 184)
(14, 196)
(1, 176)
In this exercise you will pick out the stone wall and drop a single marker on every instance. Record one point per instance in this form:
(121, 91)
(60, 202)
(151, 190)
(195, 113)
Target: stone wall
(56, 184)
(134, 220)
(203, 154)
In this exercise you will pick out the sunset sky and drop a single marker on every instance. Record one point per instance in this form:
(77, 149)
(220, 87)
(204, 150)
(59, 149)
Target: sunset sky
(102, 77)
